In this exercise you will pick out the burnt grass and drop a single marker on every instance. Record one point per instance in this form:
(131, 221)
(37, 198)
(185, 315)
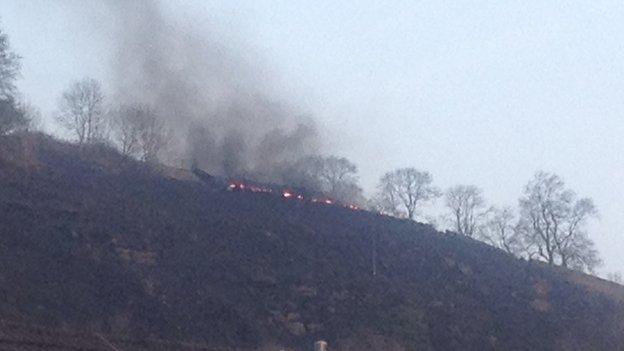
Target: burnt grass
(92, 241)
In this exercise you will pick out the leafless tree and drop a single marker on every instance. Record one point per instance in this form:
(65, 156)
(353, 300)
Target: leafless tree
(81, 111)
(335, 172)
(9, 68)
(503, 231)
(333, 175)
(139, 132)
(554, 221)
(402, 191)
(154, 135)
(13, 114)
(467, 209)
(126, 128)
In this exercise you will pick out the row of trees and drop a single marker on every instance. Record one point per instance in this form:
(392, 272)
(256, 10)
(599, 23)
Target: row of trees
(136, 130)
(549, 222)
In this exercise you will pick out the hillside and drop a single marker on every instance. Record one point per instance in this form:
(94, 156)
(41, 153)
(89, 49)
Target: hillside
(91, 241)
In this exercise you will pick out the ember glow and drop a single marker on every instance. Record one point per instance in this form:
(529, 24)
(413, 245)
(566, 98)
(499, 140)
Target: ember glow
(236, 186)
(285, 193)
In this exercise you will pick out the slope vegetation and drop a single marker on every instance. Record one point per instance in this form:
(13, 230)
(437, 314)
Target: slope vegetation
(95, 242)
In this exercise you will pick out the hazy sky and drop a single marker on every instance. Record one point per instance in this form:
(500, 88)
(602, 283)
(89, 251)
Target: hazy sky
(477, 92)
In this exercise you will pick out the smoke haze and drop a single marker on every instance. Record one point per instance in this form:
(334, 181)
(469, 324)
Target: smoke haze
(218, 103)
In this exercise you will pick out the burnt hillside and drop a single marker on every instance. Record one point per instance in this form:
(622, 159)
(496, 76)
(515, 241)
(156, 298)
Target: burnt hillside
(91, 241)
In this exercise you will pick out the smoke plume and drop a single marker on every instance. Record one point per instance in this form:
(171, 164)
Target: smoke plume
(223, 114)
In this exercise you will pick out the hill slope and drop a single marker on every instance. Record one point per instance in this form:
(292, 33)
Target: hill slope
(91, 241)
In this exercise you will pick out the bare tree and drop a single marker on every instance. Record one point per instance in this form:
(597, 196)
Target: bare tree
(467, 207)
(12, 113)
(503, 231)
(126, 128)
(81, 111)
(154, 135)
(554, 221)
(9, 68)
(139, 132)
(335, 172)
(333, 175)
(402, 191)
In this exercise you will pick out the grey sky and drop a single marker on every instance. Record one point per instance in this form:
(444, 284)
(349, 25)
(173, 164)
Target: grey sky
(478, 92)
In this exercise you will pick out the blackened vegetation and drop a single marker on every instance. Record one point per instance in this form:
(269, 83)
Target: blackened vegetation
(92, 240)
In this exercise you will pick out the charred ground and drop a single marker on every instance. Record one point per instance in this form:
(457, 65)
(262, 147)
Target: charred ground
(90, 240)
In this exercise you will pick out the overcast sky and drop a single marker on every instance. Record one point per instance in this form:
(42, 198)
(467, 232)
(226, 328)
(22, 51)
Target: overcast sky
(476, 92)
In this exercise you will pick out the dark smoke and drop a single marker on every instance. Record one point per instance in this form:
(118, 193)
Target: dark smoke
(217, 102)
